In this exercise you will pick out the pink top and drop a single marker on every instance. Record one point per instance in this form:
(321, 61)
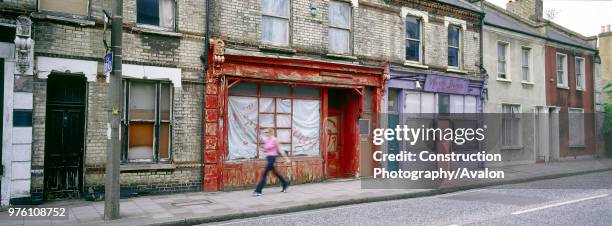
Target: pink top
(270, 148)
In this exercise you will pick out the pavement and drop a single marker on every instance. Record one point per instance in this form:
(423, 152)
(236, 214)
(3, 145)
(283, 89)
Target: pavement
(577, 200)
(207, 207)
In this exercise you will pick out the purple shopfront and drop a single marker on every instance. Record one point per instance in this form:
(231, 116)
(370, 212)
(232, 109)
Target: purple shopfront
(442, 100)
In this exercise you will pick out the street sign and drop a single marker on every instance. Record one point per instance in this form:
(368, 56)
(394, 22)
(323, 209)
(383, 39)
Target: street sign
(108, 63)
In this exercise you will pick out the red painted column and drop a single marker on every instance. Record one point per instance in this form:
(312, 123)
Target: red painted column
(213, 152)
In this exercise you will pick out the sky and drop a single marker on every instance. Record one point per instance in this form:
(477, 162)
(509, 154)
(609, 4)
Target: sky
(583, 16)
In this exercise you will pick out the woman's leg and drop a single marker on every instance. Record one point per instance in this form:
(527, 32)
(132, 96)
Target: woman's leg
(280, 177)
(269, 166)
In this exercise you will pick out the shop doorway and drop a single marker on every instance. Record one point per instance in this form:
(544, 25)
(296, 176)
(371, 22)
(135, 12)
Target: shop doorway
(341, 128)
(64, 136)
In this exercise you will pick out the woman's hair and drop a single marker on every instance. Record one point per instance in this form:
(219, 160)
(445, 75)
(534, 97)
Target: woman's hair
(270, 131)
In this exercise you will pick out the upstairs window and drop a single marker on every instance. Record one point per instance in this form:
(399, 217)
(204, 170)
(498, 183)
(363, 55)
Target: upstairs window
(72, 7)
(413, 39)
(454, 43)
(275, 22)
(580, 83)
(502, 55)
(159, 13)
(562, 70)
(339, 27)
(525, 64)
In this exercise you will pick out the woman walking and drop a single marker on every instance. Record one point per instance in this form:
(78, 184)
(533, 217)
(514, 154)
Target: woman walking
(271, 150)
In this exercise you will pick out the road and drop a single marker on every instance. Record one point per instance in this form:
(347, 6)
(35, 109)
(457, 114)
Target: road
(577, 200)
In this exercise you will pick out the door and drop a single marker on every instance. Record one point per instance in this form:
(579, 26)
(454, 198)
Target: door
(64, 136)
(334, 143)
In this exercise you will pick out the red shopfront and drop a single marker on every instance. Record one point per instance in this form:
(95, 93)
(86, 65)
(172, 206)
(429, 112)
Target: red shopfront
(317, 109)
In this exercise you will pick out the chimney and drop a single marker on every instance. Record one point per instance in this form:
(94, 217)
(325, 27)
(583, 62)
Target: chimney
(528, 9)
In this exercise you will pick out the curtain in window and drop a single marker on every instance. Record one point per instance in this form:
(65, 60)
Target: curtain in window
(275, 21)
(166, 13)
(428, 101)
(340, 25)
(470, 104)
(242, 121)
(456, 104)
(76, 7)
(306, 126)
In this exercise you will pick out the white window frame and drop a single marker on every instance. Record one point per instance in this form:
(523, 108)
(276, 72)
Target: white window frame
(505, 61)
(459, 45)
(263, 14)
(564, 83)
(350, 29)
(158, 27)
(582, 71)
(528, 66)
(420, 40)
(569, 111)
(517, 117)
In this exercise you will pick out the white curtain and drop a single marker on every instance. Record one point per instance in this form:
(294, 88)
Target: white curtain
(166, 13)
(456, 104)
(428, 101)
(242, 121)
(470, 104)
(412, 103)
(306, 125)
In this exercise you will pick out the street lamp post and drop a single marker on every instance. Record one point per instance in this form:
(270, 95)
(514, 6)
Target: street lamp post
(115, 103)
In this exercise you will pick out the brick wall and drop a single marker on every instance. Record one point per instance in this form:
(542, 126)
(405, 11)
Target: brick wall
(181, 49)
(378, 30)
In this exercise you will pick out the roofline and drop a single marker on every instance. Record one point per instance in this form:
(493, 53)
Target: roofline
(461, 7)
(542, 37)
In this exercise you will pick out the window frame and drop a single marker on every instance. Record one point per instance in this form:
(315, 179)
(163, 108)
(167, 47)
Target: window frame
(292, 96)
(564, 84)
(125, 122)
(349, 29)
(505, 61)
(513, 117)
(64, 14)
(289, 21)
(528, 66)
(458, 47)
(159, 27)
(582, 70)
(406, 39)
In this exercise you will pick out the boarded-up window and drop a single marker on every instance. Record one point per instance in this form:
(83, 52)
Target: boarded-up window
(340, 27)
(511, 136)
(156, 12)
(149, 120)
(576, 127)
(73, 7)
(275, 22)
(292, 112)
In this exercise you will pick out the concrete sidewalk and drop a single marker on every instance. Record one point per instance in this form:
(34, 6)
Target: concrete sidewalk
(200, 207)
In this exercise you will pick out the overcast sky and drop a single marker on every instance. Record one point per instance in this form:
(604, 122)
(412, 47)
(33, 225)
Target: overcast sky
(583, 16)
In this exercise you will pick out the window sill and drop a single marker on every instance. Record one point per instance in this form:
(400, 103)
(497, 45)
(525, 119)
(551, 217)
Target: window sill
(72, 20)
(577, 146)
(518, 147)
(504, 80)
(415, 64)
(155, 31)
(456, 70)
(527, 83)
(340, 56)
(128, 167)
(277, 49)
(580, 90)
(563, 87)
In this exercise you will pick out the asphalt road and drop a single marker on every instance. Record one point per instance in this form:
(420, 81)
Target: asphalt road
(577, 200)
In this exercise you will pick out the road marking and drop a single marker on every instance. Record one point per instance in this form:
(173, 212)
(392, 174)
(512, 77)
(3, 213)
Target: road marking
(559, 204)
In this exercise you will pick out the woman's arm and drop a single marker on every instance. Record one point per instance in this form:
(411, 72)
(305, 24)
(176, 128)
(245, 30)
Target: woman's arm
(281, 151)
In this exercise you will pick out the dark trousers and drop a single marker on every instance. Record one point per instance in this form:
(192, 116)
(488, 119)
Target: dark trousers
(270, 167)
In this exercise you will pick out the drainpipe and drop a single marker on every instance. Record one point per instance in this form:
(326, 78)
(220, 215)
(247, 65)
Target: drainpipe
(205, 62)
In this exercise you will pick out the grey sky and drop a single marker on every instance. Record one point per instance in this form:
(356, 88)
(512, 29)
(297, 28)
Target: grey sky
(583, 16)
